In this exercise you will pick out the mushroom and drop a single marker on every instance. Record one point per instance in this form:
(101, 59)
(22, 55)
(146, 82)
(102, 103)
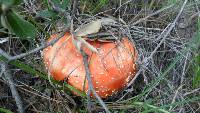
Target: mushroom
(111, 68)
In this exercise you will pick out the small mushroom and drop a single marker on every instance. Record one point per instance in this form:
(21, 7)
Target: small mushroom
(111, 68)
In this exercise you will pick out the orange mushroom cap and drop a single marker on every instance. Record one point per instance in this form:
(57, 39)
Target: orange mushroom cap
(111, 68)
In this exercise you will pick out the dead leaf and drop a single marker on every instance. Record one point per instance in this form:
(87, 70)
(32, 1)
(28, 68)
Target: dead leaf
(108, 21)
(90, 28)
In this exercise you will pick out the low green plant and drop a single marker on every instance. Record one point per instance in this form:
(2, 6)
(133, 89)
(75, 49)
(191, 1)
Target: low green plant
(14, 22)
(3, 110)
(196, 64)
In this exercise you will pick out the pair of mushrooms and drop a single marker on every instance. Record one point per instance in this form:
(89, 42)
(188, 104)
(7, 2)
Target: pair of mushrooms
(111, 68)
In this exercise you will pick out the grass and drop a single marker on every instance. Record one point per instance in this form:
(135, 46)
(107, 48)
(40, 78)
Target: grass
(92, 6)
(196, 65)
(148, 89)
(3, 110)
(173, 71)
(43, 75)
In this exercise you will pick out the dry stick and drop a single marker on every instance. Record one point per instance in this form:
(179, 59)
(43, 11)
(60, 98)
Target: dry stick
(15, 94)
(193, 91)
(196, 5)
(56, 9)
(169, 30)
(2, 71)
(72, 33)
(121, 6)
(35, 92)
(56, 39)
(87, 72)
(184, 69)
(146, 60)
(75, 4)
(181, 85)
(163, 35)
(89, 105)
(85, 61)
(150, 15)
(4, 54)
(174, 98)
(38, 48)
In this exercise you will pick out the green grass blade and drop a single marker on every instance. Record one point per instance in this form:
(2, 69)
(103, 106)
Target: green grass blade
(3, 110)
(35, 72)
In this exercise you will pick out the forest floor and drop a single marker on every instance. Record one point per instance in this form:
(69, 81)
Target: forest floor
(166, 34)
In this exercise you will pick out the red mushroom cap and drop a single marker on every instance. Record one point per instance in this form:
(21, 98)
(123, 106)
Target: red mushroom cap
(111, 68)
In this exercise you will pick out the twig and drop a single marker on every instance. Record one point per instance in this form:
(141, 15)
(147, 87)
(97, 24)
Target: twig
(15, 94)
(38, 48)
(99, 35)
(73, 16)
(121, 6)
(184, 69)
(193, 91)
(4, 54)
(181, 85)
(58, 10)
(150, 15)
(89, 104)
(3, 40)
(175, 95)
(75, 4)
(85, 61)
(196, 5)
(72, 33)
(135, 77)
(2, 69)
(163, 35)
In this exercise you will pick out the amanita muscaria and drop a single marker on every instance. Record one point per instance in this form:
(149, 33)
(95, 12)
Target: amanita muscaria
(111, 68)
